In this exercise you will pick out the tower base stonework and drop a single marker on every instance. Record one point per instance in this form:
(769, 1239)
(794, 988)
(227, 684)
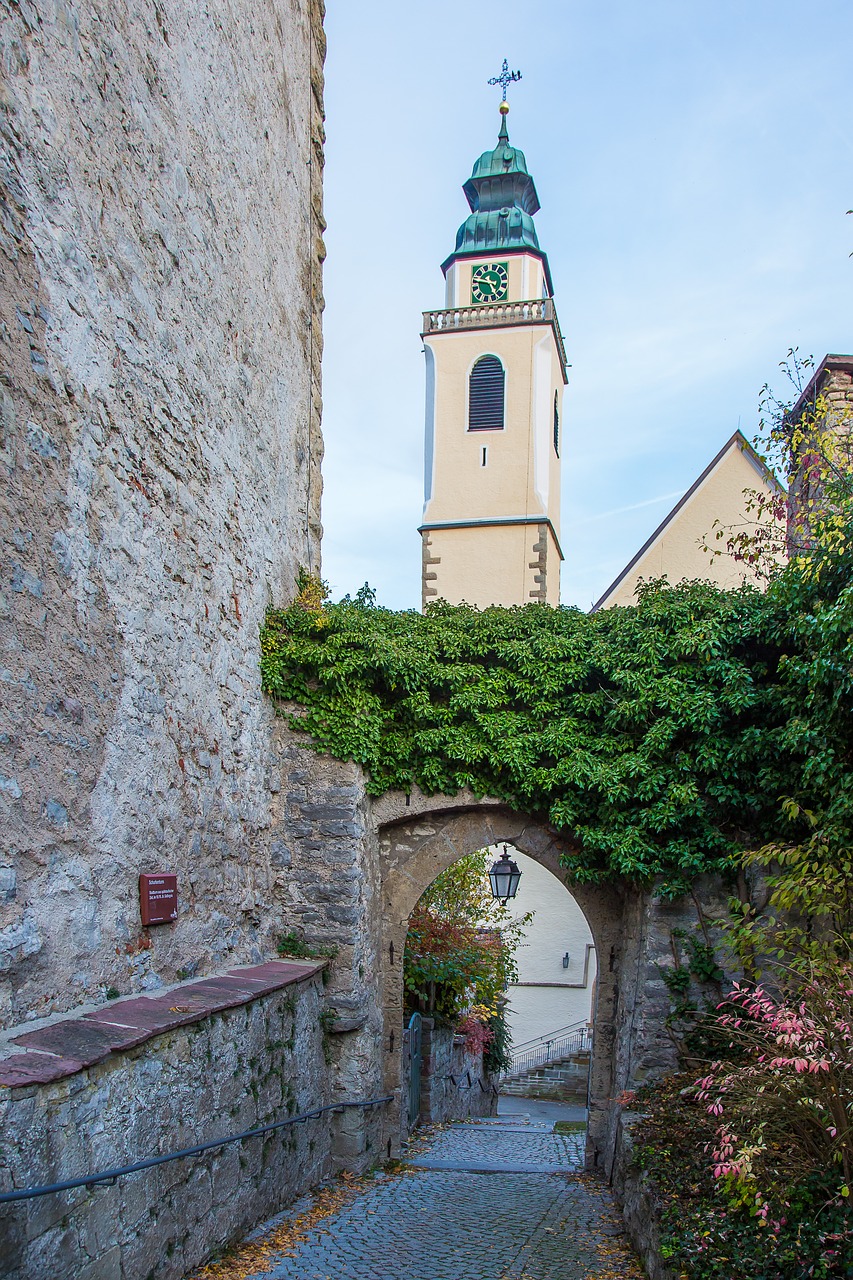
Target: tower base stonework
(502, 562)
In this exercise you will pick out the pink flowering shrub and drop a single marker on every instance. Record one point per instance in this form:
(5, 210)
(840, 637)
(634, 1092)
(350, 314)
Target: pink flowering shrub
(476, 1029)
(752, 1165)
(785, 1107)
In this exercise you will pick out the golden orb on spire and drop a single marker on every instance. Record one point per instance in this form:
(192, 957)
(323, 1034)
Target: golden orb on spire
(504, 108)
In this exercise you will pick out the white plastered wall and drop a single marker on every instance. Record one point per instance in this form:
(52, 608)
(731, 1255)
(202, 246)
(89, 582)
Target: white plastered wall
(548, 996)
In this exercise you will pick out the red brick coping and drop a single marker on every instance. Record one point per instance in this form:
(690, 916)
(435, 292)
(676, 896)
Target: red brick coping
(61, 1049)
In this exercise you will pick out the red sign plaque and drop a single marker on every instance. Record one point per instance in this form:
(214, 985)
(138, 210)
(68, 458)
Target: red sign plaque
(158, 897)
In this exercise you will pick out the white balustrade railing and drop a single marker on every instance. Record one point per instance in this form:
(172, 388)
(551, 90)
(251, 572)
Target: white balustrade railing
(496, 314)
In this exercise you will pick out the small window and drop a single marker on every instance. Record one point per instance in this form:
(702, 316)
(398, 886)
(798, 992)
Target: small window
(486, 395)
(556, 427)
(485, 457)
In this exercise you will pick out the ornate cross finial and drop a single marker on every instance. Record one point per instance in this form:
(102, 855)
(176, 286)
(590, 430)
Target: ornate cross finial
(505, 78)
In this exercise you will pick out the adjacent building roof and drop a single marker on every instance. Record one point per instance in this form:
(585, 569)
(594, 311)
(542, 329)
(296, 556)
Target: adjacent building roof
(829, 364)
(666, 535)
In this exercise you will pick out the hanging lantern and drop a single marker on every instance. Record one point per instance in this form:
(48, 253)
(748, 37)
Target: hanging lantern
(504, 876)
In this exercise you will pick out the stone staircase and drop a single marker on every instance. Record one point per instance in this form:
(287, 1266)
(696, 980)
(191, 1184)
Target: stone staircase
(564, 1079)
(555, 1066)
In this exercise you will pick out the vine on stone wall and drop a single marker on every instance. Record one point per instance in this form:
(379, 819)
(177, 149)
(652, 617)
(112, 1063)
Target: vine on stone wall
(648, 736)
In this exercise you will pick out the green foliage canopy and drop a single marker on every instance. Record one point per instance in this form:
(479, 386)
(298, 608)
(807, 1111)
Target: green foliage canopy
(694, 731)
(649, 736)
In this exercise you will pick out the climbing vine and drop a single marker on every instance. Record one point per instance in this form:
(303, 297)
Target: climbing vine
(646, 735)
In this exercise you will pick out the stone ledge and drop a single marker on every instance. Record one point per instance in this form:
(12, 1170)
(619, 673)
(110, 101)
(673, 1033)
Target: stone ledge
(62, 1048)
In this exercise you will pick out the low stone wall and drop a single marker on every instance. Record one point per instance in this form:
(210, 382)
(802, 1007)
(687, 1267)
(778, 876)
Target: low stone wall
(454, 1083)
(222, 1073)
(639, 1202)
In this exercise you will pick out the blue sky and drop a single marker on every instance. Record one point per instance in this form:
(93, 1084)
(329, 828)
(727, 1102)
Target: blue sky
(694, 165)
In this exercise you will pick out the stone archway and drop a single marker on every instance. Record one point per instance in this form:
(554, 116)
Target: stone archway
(355, 866)
(418, 838)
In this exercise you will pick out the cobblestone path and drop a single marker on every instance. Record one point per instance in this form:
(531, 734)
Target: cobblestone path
(531, 1216)
(503, 1145)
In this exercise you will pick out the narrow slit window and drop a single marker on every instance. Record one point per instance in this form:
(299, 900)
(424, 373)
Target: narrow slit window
(483, 463)
(486, 395)
(556, 427)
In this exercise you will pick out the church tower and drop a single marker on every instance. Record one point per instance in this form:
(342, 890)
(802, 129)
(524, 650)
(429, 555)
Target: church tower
(495, 372)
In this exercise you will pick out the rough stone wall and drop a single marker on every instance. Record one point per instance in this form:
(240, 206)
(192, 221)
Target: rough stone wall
(229, 1072)
(160, 300)
(326, 890)
(454, 1083)
(837, 387)
(640, 1203)
(655, 937)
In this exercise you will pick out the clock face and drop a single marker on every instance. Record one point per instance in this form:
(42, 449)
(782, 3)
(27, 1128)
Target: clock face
(489, 282)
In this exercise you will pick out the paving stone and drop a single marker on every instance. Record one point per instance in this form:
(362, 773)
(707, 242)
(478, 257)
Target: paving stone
(472, 1145)
(452, 1224)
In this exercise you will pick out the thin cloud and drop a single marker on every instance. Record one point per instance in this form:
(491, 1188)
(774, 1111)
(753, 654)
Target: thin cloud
(632, 506)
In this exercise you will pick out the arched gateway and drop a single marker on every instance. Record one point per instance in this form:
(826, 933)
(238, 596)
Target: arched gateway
(348, 869)
(418, 838)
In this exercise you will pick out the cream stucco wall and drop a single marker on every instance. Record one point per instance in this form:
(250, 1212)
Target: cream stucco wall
(548, 996)
(676, 551)
(492, 564)
(511, 483)
(526, 277)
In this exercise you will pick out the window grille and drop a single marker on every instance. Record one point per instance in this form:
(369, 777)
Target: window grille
(486, 395)
(556, 427)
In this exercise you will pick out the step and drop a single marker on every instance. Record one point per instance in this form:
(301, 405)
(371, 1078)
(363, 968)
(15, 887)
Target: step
(567, 1096)
(551, 1073)
(579, 1059)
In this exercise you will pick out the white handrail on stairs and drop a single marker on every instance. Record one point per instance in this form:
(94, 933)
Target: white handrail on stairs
(576, 1038)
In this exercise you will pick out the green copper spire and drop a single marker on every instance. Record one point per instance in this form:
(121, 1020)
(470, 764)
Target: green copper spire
(503, 200)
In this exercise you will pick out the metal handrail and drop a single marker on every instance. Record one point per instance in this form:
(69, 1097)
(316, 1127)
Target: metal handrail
(109, 1175)
(556, 1044)
(550, 1035)
(490, 1088)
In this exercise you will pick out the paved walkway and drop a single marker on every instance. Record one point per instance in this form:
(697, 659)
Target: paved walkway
(496, 1199)
(508, 1144)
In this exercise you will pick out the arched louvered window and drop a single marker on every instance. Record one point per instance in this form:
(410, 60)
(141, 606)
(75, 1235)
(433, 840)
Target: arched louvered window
(486, 395)
(556, 427)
